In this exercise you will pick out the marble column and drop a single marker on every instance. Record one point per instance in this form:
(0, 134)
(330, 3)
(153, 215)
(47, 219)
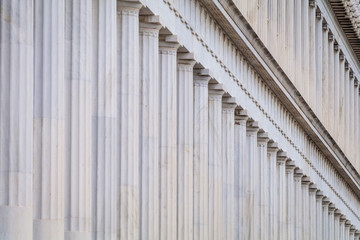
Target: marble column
(215, 161)
(240, 156)
(128, 109)
(104, 146)
(16, 119)
(331, 90)
(251, 227)
(201, 142)
(49, 138)
(325, 74)
(342, 227)
(319, 63)
(185, 144)
(352, 233)
(312, 211)
(298, 205)
(337, 214)
(331, 222)
(262, 196)
(290, 199)
(149, 127)
(273, 194)
(312, 54)
(78, 119)
(168, 136)
(319, 215)
(305, 182)
(281, 179)
(347, 229)
(228, 167)
(325, 211)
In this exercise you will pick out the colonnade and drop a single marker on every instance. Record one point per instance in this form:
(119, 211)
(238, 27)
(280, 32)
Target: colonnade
(133, 138)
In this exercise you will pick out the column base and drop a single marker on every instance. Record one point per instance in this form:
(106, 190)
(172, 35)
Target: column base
(48, 229)
(15, 223)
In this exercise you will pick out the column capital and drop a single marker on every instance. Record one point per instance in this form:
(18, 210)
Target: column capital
(325, 25)
(263, 138)
(326, 201)
(186, 60)
(341, 55)
(336, 46)
(290, 167)
(281, 157)
(318, 14)
(298, 174)
(347, 223)
(342, 218)
(201, 77)
(216, 91)
(272, 147)
(149, 25)
(319, 195)
(252, 127)
(332, 207)
(168, 44)
(330, 36)
(337, 212)
(128, 7)
(229, 104)
(352, 229)
(356, 82)
(305, 180)
(241, 116)
(312, 3)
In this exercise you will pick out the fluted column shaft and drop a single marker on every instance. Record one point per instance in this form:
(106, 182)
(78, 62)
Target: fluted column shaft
(240, 157)
(251, 228)
(305, 208)
(325, 210)
(149, 128)
(298, 205)
(16, 119)
(336, 224)
(342, 227)
(262, 188)
(185, 144)
(319, 64)
(228, 170)
(201, 172)
(215, 160)
(331, 222)
(78, 123)
(273, 194)
(281, 179)
(104, 123)
(325, 74)
(290, 198)
(168, 140)
(49, 138)
(312, 211)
